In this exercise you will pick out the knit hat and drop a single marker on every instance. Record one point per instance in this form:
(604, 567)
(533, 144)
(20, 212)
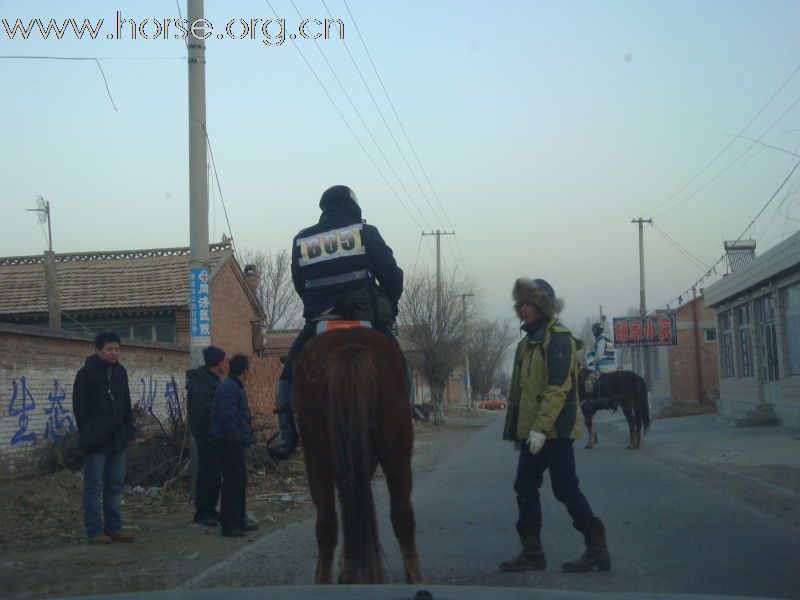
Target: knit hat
(538, 293)
(213, 356)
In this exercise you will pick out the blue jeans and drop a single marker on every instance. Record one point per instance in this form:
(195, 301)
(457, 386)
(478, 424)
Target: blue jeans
(559, 457)
(103, 473)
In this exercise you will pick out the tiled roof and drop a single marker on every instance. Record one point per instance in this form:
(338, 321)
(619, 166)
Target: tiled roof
(103, 281)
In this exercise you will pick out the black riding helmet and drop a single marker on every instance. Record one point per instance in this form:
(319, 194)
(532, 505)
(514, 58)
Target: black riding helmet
(597, 329)
(341, 197)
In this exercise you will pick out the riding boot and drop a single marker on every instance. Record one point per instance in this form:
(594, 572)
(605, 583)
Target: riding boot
(284, 445)
(596, 555)
(532, 557)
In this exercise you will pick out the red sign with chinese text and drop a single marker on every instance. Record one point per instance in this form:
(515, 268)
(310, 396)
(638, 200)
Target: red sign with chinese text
(652, 330)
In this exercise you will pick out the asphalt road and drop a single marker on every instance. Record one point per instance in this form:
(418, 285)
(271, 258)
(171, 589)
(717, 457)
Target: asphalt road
(667, 532)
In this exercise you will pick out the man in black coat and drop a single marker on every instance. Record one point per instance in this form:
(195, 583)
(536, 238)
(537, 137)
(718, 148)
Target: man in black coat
(232, 427)
(340, 267)
(101, 403)
(200, 387)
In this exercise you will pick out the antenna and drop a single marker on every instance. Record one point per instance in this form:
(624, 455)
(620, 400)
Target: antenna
(43, 208)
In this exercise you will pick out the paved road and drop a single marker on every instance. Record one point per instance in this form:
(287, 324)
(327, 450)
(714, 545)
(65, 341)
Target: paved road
(668, 532)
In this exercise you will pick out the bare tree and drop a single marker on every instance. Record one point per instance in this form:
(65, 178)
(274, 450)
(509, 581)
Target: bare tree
(489, 345)
(274, 288)
(438, 338)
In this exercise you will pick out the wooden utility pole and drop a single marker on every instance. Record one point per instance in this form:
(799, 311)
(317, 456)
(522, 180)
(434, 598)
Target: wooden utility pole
(438, 235)
(642, 303)
(467, 378)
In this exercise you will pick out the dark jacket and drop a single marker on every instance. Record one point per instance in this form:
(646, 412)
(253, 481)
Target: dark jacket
(200, 387)
(339, 247)
(230, 415)
(101, 403)
(543, 391)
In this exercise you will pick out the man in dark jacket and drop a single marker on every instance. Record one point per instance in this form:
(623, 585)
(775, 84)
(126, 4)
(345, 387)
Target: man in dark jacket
(101, 403)
(232, 427)
(200, 387)
(341, 267)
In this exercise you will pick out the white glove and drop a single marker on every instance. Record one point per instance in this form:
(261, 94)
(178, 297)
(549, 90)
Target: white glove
(536, 441)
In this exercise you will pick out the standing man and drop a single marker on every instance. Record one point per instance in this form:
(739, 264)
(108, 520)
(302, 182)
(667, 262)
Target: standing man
(342, 268)
(232, 427)
(200, 387)
(543, 422)
(101, 403)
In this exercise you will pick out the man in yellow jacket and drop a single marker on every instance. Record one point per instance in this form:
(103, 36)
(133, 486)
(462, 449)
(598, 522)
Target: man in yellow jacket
(543, 421)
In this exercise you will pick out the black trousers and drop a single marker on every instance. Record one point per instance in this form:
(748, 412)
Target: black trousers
(209, 476)
(234, 485)
(559, 457)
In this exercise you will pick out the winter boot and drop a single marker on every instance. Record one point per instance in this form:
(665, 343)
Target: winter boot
(284, 445)
(532, 557)
(596, 555)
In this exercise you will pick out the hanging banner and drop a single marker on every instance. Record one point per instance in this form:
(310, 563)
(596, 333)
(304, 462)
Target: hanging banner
(199, 307)
(653, 330)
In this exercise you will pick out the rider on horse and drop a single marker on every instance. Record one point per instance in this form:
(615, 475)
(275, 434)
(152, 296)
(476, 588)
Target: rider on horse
(601, 359)
(341, 268)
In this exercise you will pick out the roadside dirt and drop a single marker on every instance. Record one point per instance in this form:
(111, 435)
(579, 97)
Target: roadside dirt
(43, 552)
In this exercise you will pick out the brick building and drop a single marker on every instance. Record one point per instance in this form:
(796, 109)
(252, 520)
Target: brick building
(143, 296)
(758, 331)
(687, 372)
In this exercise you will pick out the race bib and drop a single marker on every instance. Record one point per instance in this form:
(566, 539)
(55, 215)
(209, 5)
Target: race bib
(330, 245)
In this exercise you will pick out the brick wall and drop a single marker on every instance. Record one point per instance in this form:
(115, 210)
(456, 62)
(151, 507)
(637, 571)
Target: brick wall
(683, 363)
(37, 370)
(232, 315)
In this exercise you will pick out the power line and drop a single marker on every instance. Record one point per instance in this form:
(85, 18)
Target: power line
(728, 145)
(721, 259)
(219, 188)
(366, 127)
(400, 122)
(72, 58)
(688, 255)
(385, 122)
(350, 128)
(730, 164)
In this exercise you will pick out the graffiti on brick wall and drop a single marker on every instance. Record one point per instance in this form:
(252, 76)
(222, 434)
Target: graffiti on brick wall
(22, 406)
(59, 421)
(148, 389)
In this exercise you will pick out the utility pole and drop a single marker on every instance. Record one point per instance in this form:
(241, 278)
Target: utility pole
(199, 280)
(467, 378)
(50, 274)
(642, 303)
(438, 235)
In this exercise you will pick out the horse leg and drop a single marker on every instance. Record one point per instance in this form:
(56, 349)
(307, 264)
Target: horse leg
(628, 412)
(638, 419)
(321, 485)
(587, 417)
(398, 479)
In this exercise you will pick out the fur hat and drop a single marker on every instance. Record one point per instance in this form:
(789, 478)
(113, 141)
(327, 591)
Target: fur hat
(537, 292)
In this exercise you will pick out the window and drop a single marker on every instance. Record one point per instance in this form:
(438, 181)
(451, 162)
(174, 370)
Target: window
(165, 332)
(745, 340)
(769, 340)
(711, 335)
(792, 298)
(726, 356)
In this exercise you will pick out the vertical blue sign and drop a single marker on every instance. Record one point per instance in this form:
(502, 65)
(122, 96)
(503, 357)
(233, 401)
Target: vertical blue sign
(199, 306)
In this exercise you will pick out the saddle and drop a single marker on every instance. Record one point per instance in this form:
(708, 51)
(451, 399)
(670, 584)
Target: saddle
(332, 324)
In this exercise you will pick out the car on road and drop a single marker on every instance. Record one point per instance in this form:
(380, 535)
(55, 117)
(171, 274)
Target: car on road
(494, 402)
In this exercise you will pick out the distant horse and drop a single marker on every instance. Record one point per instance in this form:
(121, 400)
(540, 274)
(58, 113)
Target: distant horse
(350, 396)
(620, 389)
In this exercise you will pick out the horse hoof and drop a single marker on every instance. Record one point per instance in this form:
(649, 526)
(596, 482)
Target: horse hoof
(629, 447)
(588, 446)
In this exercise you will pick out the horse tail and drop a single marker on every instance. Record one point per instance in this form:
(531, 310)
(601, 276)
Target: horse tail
(644, 404)
(351, 388)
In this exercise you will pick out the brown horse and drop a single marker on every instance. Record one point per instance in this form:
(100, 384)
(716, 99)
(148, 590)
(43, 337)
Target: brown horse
(350, 396)
(620, 389)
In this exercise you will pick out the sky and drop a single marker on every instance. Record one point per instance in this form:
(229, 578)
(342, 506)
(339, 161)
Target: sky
(543, 129)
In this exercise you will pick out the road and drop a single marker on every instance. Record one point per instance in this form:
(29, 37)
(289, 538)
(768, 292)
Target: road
(667, 532)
